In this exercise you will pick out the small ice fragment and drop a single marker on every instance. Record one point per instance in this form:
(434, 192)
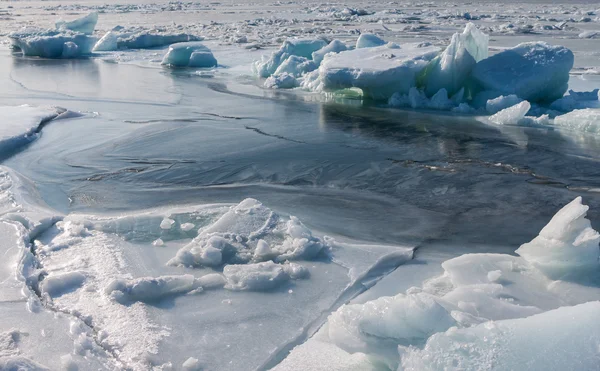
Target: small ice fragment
(167, 223)
(511, 115)
(158, 242)
(367, 40)
(191, 364)
(494, 276)
(187, 227)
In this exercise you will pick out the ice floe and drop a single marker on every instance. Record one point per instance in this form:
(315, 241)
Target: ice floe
(189, 54)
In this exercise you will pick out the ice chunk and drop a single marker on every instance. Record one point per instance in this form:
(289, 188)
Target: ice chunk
(296, 66)
(298, 47)
(59, 284)
(114, 40)
(189, 54)
(367, 40)
(335, 46)
(52, 44)
(153, 39)
(400, 319)
(451, 69)
(191, 364)
(567, 246)
(283, 81)
(167, 223)
(584, 120)
(187, 227)
(107, 42)
(577, 100)
(545, 341)
(379, 71)
(85, 25)
(261, 276)
(234, 237)
(534, 71)
(496, 105)
(149, 289)
(511, 115)
(318, 355)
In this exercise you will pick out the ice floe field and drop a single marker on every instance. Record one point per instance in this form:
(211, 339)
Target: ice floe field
(299, 185)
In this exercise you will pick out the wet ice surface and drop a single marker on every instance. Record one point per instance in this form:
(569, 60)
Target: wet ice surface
(164, 163)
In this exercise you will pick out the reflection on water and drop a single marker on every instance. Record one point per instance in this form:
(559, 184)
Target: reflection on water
(357, 170)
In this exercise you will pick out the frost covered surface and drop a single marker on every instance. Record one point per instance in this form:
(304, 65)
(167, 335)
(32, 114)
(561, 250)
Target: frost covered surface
(189, 54)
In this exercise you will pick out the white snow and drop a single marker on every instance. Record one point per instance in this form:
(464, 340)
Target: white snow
(189, 54)
(533, 71)
(84, 25)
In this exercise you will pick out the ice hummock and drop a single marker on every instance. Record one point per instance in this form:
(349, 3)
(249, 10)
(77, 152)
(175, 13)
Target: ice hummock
(534, 71)
(250, 233)
(303, 48)
(334, 46)
(482, 303)
(582, 120)
(51, 43)
(120, 38)
(567, 246)
(84, 25)
(451, 69)
(368, 40)
(189, 54)
(547, 341)
(378, 71)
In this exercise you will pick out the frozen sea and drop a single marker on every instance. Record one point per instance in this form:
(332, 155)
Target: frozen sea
(166, 218)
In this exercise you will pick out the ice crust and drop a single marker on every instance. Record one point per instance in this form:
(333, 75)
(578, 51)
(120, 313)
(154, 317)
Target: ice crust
(189, 54)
